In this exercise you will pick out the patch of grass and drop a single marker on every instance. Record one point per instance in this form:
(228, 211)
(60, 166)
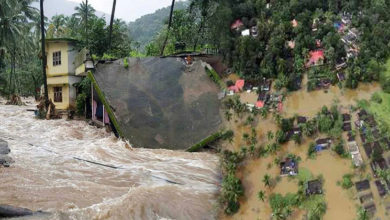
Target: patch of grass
(315, 206)
(347, 183)
(385, 77)
(215, 77)
(381, 110)
(304, 175)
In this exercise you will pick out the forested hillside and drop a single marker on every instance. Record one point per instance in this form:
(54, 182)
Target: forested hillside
(144, 29)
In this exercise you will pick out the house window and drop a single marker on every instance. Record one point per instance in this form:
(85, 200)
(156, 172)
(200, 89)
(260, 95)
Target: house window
(57, 94)
(57, 58)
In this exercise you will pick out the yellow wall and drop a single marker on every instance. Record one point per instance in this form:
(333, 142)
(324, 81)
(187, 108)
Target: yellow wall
(80, 71)
(62, 75)
(64, 105)
(58, 80)
(58, 70)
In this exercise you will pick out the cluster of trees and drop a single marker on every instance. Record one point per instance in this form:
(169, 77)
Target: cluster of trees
(19, 48)
(20, 41)
(231, 189)
(189, 27)
(207, 23)
(92, 31)
(145, 28)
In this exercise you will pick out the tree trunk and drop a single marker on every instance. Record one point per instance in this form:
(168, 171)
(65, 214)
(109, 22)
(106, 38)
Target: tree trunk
(111, 24)
(44, 54)
(86, 24)
(169, 28)
(200, 31)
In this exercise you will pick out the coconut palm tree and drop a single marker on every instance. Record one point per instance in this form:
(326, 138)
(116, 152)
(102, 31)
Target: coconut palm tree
(267, 180)
(169, 27)
(228, 115)
(16, 19)
(43, 53)
(270, 135)
(203, 6)
(56, 28)
(83, 11)
(111, 23)
(261, 195)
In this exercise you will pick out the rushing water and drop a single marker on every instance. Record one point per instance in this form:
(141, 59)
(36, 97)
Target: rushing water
(141, 184)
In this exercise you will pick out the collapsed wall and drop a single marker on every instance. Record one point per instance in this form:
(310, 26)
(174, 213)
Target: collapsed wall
(160, 102)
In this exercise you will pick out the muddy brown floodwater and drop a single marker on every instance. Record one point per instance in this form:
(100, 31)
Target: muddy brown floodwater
(309, 103)
(148, 184)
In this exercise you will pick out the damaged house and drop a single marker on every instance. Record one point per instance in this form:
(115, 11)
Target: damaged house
(156, 102)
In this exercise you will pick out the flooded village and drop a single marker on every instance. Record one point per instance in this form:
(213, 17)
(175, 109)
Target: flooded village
(229, 110)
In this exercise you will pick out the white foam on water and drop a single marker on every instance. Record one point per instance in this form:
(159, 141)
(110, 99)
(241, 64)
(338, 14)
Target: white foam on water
(149, 184)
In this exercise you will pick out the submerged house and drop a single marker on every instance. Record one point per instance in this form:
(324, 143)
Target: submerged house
(64, 68)
(314, 187)
(323, 143)
(289, 167)
(315, 58)
(362, 185)
(157, 102)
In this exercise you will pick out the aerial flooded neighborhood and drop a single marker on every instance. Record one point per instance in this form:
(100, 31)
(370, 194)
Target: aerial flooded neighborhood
(195, 109)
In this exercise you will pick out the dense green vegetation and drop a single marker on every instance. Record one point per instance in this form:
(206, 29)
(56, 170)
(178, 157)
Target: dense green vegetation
(94, 34)
(314, 205)
(19, 48)
(145, 28)
(20, 51)
(206, 24)
(231, 188)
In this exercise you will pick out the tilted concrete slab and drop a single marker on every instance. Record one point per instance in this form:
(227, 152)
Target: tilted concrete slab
(160, 102)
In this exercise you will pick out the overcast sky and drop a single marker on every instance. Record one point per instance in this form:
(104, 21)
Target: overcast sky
(128, 10)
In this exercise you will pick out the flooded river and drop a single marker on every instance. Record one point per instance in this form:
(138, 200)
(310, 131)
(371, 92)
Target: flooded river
(55, 170)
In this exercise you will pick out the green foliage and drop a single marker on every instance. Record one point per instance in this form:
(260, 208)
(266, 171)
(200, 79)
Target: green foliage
(80, 104)
(381, 110)
(215, 77)
(316, 207)
(125, 63)
(311, 152)
(135, 53)
(261, 195)
(280, 137)
(20, 67)
(287, 124)
(228, 115)
(339, 149)
(267, 180)
(145, 29)
(205, 141)
(362, 214)
(376, 155)
(228, 134)
(309, 128)
(347, 183)
(231, 191)
(385, 77)
(376, 98)
(384, 174)
(108, 57)
(282, 205)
